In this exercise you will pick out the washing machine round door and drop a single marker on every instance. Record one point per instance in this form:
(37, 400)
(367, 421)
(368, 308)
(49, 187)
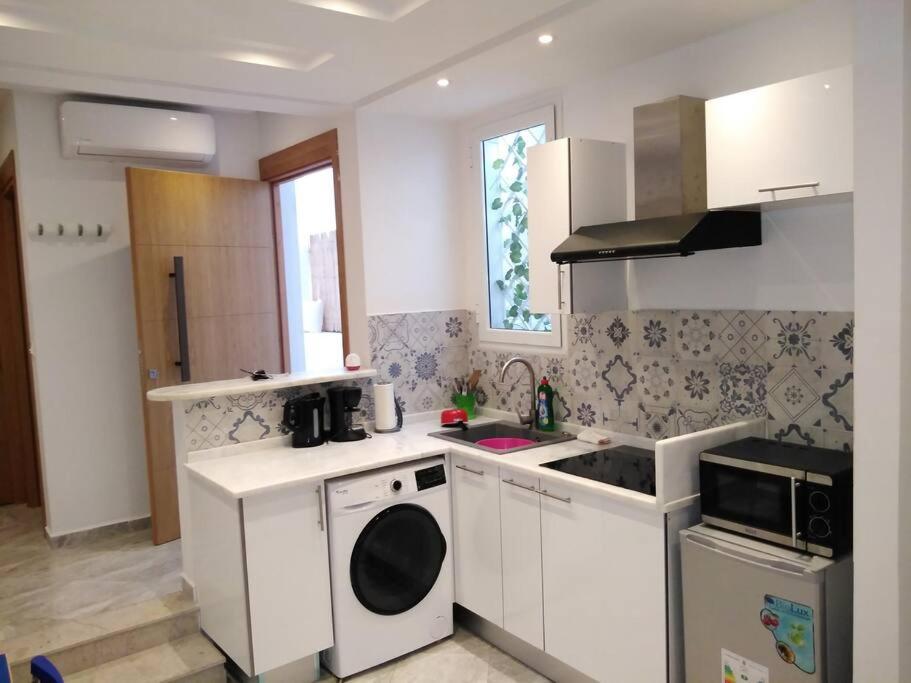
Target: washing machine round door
(397, 559)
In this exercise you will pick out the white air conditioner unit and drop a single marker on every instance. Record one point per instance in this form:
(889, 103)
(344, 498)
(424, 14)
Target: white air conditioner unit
(89, 130)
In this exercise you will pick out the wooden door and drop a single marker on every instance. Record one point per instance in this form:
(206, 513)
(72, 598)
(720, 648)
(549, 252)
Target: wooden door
(19, 478)
(222, 230)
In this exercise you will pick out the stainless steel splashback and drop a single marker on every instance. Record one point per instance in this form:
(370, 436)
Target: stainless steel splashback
(669, 151)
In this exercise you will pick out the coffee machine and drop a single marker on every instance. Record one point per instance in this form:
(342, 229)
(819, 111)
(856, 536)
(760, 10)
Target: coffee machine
(303, 417)
(343, 405)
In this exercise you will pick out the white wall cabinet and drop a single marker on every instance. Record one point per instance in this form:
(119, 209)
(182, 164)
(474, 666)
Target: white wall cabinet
(604, 586)
(788, 140)
(520, 524)
(478, 567)
(573, 182)
(262, 575)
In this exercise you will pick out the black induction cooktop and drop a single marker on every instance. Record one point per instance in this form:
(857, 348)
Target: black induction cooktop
(625, 466)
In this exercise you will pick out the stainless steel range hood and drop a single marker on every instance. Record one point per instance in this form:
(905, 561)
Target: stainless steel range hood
(671, 214)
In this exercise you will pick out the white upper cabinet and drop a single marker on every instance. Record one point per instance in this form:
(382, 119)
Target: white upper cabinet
(789, 140)
(571, 183)
(476, 538)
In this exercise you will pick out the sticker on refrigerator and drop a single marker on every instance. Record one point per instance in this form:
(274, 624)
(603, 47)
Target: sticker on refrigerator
(791, 625)
(737, 669)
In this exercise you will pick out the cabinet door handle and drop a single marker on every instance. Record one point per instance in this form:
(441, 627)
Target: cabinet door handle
(798, 186)
(544, 492)
(480, 473)
(319, 504)
(513, 482)
(560, 302)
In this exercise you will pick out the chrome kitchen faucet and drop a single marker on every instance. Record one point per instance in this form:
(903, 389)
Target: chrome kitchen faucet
(527, 420)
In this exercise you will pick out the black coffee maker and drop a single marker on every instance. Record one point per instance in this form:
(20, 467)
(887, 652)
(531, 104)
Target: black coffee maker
(303, 416)
(343, 403)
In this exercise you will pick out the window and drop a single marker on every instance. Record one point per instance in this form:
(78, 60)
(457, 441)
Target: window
(504, 174)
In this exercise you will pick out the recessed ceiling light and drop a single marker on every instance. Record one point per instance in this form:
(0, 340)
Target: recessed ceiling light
(545, 39)
(443, 82)
(826, 86)
(173, 118)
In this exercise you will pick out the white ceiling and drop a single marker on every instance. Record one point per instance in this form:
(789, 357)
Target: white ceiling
(311, 56)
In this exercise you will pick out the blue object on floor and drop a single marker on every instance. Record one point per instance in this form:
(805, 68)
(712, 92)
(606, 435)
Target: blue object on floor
(45, 672)
(5, 675)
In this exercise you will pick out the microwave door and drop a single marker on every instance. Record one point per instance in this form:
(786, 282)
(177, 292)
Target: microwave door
(758, 503)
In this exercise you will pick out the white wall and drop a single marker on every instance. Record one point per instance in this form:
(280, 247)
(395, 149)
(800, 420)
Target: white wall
(882, 360)
(7, 124)
(409, 172)
(80, 298)
(806, 260)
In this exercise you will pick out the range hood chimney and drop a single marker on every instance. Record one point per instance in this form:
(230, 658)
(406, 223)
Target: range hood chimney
(672, 218)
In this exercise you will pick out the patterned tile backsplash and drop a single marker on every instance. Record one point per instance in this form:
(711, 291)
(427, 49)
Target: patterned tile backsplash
(654, 373)
(664, 373)
(223, 420)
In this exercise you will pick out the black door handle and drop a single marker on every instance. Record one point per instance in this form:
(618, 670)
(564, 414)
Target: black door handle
(183, 344)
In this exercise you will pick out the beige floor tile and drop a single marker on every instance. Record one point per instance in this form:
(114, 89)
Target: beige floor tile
(462, 658)
(44, 588)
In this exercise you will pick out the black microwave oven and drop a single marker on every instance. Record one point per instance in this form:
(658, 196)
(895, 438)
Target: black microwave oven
(791, 495)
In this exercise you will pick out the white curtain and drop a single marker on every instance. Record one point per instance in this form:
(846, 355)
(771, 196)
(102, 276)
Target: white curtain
(324, 278)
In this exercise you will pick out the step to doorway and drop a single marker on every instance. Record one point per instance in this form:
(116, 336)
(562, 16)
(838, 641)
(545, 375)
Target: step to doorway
(167, 628)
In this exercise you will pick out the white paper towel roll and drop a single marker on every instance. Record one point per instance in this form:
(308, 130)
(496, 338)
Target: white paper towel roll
(384, 406)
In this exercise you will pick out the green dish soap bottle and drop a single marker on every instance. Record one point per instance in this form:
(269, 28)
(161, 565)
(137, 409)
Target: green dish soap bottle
(546, 406)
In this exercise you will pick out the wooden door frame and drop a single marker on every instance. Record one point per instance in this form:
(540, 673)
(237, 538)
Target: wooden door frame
(287, 164)
(8, 186)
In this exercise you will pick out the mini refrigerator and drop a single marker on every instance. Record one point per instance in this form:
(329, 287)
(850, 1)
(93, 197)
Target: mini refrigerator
(757, 613)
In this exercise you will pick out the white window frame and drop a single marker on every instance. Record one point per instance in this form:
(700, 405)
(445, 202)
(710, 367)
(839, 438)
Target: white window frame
(487, 334)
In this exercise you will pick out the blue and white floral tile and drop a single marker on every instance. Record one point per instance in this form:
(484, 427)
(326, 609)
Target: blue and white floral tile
(742, 391)
(653, 333)
(586, 409)
(613, 333)
(837, 399)
(691, 420)
(582, 331)
(743, 336)
(794, 433)
(793, 338)
(836, 339)
(585, 371)
(619, 379)
(657, 381)
(390, 333)
(657, 422)
(554, 368)
(698, 335)
(794, 396)
(698, 385)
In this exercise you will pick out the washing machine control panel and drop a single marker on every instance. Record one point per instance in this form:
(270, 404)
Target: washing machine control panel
(430, 477)
(386, 485)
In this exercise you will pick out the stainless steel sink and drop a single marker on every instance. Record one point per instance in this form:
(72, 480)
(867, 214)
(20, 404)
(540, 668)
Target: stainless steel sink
(470, 436)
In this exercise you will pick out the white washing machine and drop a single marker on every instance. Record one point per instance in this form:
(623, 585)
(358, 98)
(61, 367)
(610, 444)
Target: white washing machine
(390, 557)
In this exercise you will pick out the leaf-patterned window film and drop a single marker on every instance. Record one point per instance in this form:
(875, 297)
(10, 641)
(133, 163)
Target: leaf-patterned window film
(505, 165)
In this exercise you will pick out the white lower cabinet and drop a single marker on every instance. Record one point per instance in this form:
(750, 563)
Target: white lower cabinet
(520, 528)
(604, 590)
(262, 578)
(478, 567)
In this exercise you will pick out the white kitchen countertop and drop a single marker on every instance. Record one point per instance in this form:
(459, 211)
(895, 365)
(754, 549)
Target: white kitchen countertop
(244, 385)
(254, 468)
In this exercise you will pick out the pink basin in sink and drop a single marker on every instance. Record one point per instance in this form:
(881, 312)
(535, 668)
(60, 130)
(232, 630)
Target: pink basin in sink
(503, 443)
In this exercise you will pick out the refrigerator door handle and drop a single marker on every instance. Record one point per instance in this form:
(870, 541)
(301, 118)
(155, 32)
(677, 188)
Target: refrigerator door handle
(776, 565)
